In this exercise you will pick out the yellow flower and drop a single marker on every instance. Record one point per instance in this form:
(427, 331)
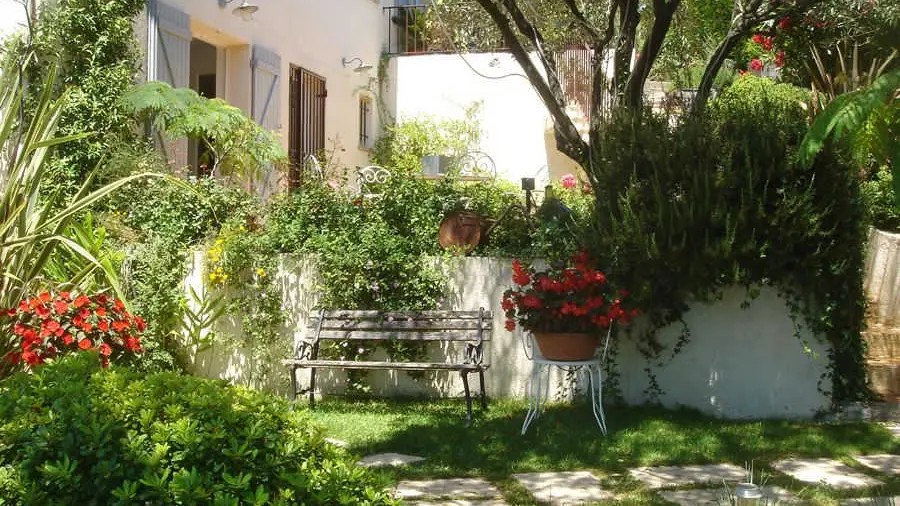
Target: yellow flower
(260, 272)
(212, 276)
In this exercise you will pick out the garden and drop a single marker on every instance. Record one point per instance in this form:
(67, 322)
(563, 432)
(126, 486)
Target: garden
(145, 309)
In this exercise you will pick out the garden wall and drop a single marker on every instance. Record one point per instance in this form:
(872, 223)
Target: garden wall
(740, 363)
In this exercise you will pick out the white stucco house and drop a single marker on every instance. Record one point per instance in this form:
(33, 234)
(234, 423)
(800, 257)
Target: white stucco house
(327, 74)
(13, 16)
(309, 70)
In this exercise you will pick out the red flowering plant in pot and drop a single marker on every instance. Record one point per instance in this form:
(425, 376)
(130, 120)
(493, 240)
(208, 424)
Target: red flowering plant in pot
(565, 308)
(56, 324)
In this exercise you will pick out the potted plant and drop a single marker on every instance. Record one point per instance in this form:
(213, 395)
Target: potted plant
(565, 308)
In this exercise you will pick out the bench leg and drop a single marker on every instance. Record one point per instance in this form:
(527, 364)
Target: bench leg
(465, 378)
(293, 384)
(312, 387)
(483, 395)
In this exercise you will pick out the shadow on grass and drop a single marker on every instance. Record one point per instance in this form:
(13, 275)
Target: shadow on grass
(566, 437)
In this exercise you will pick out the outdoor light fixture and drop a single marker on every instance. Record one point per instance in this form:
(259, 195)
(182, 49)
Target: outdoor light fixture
(747, 494)
(245, 11)
(361, 67)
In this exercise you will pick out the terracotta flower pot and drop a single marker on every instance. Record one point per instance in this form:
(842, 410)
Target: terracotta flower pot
(566, 347)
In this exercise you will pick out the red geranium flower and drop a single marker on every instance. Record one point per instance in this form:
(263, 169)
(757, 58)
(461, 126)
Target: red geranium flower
(571, 298)
(61, 306)
(520, 277)
(61, 325)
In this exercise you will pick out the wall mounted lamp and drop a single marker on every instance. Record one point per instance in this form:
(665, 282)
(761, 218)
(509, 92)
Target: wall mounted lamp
(245, 11)
(360, 67)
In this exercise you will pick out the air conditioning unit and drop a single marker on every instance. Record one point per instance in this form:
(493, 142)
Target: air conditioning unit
(436, 165)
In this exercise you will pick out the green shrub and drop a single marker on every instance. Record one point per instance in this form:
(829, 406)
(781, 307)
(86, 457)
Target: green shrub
(73, 433)
(878, 195)
(686, 209)
(184, 215)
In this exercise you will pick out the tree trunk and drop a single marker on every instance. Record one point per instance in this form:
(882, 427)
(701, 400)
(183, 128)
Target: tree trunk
(663, 12)
(628, 23)
(712, 69)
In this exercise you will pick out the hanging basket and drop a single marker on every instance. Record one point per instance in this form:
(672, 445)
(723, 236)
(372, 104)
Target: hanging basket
(567, 347)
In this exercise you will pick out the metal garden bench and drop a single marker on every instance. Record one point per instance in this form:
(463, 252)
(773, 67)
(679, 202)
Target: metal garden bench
(469, 328)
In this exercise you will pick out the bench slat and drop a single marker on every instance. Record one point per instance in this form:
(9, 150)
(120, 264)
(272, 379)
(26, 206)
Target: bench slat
(414, 366)
(399, 324)
(397, 335)
(417, 315)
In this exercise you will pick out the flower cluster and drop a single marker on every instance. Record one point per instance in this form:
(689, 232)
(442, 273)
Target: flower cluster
(575, 298)
(51, 325)
(217, 275)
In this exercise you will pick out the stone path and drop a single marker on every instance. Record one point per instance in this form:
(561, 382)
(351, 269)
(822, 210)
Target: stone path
(583, 487)
(388, 459)
(872, 501)
(825, 471)
(461, 502)
(660, 477)
(717, 497)
(451, 489)
(887, 464)
(564, 488)
(893, 428)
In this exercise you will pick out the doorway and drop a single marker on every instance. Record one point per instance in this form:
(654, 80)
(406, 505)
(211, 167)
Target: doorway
(203, 78)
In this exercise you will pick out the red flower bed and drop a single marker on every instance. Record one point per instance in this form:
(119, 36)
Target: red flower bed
(51, 325)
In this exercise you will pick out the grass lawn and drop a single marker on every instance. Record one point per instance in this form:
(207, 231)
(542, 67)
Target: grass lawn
(567, 438)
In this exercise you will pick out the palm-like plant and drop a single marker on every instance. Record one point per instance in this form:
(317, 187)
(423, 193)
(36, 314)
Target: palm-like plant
(875, 109)
(32, 225)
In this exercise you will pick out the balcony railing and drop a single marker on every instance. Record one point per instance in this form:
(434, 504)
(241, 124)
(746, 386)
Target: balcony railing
(416, 29)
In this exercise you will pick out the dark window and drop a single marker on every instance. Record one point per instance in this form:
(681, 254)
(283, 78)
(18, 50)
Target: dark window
(307, 122)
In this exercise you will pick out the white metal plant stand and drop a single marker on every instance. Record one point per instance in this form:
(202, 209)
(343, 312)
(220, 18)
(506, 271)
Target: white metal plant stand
(537, 392)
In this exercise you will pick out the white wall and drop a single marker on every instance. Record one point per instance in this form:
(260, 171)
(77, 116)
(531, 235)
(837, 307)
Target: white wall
(12, 17)
(513, 119)
(311, 34)
(740, 363)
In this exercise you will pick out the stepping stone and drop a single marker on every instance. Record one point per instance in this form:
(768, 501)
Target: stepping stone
(893, 428)
(825, 471)
(872, 501)
(462, 502)
(564, 488)
(455, 488)
(673, 476)
(336, 442)
(887, 464)
(717, 497)
(388, 459)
